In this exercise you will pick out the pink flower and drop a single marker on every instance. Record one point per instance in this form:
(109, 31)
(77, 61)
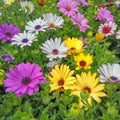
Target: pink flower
(79, 20)
(24, 79)
(104, 15)
(68, 7)
(83, 2)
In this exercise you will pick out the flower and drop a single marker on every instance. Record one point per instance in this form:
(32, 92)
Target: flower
(81, 22)
(27, 6)
(83, 2)
(24, 39)
(7, 58)
(41, 2)
(107, 28)
(8, 1)
(99, 37)
(74, 45)
(104, 15)
(7, 32)
(24, 79)
(54, 48)
(118, 34)
(109, 73)
(83, 61)
(36, 25)
(53, 21)
(68, 7)
(61, 78)
(117, 2)
(88, 82)
(84, 40)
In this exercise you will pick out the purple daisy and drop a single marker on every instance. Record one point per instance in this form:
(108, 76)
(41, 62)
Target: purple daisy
(79, 20)
(7, 58)
(83, 2)
(24, 79)
(7, 31)
(68, 7)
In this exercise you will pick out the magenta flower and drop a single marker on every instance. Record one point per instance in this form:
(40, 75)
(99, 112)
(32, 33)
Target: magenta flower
(104, 15)
(68, 7)
(24, 79)
(7, 31)
(79, 20)
(83, 2)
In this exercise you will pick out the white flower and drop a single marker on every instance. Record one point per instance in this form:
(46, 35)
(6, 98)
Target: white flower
(53, 21)
(54, 48)
(110, 73)
(107, 28)
(8, 1)
(27, 6)
(118, 34)
(24, 39)
(36, 25)
(117, 2)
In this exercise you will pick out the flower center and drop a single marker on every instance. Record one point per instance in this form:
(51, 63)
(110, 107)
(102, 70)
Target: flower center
(8, 34)
(61, 82)
(25, 40)
(55, 52)
(72, 49)
(113, 79)
(68, 8)
(51, 25)
(106, 29)
(28, 7)
(26, 81)
(86, 88)
(37, 27)
(82, 63)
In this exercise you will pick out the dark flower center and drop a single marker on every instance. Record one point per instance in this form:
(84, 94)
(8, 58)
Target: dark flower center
(68, 8)
(82, 63)
(61, 82)
(55, 52)
(51, 25)
(106, 29)
(37, 27)
(25, 40)
(113, 79)
(72, 49)
(86, 88)
(8, 34)
(26, 81)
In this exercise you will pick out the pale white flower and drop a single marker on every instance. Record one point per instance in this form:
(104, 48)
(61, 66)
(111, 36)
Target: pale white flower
(53, 21)
(107, 28)
(118, 34)
(24, 39)
(36, 25)
(109, 73)
(27, 6)
(8, 1)
(117, 2)
(54, 48)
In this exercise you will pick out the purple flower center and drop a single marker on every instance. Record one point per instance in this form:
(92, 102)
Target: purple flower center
(55, 52)
(26, 81)
(37, 27)
(113, 79)
(25, 40)
(8, 34)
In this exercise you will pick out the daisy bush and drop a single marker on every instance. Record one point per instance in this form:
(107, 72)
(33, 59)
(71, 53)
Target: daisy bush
(59, 60)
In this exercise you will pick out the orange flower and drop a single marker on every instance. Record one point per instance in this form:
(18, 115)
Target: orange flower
(41, 2)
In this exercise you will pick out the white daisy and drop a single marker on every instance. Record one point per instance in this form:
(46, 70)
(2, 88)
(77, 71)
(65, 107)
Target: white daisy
(117, 2)
(27, 6)
(54, 48)
(24, 39)
(36, 25)
(107, 28)
(53, 21)
(8, 1)
(110, 73)
(118, 34)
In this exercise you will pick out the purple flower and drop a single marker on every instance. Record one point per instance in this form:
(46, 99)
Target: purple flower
(79, 20)
(7, 58)
(84, 40)
(24, 79)
(104, 15)
(83, 2)
(68, 7)
(7, 31)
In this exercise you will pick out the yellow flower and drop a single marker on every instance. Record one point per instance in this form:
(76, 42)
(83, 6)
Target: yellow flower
(90, 34)
(89, 83)
(61, 78)
(74, 45)
(83, 61)
(99, 37)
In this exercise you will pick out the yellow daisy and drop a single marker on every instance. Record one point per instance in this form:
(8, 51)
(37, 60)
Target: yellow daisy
(83, 61)
(61, 78)
(74, 45)
(88, 82)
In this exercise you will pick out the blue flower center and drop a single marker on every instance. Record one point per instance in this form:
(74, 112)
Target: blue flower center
(26, 81)
(37, 27)
(113, 79)
(25, 40)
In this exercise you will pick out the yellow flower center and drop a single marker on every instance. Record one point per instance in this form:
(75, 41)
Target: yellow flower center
(86, 88)
(28, 7)
(61, 82)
